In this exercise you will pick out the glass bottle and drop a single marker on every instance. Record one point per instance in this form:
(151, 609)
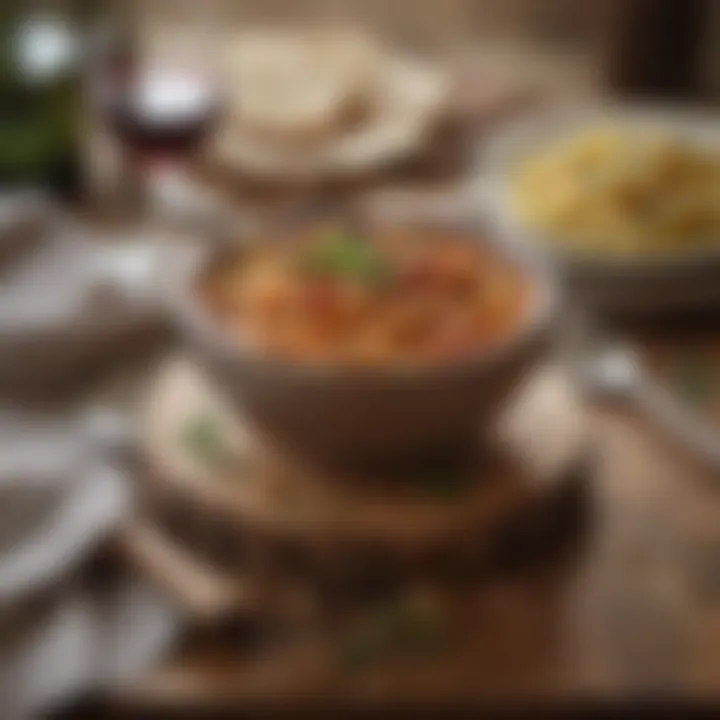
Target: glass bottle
(41, 97)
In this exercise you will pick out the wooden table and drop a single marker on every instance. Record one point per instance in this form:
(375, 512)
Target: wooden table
(631, 611)
(628, 609)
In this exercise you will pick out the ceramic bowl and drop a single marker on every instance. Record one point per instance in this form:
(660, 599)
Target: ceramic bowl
(339, 413)
(645, 285)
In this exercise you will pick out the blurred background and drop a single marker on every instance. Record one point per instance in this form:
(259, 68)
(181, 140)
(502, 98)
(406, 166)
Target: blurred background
(126, 145)
(618, 48)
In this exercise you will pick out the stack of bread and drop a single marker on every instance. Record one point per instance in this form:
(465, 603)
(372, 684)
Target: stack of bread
(316, 99)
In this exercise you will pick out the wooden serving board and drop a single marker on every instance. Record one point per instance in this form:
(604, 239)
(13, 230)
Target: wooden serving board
(421, 637)
(219, 489)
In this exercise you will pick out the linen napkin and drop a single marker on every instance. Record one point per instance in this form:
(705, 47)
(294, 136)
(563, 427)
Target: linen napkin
(74, 301)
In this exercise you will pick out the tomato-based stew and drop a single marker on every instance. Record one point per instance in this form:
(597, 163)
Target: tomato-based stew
(395, 297)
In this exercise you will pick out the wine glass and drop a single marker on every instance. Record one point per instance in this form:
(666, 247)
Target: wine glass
(160, 107)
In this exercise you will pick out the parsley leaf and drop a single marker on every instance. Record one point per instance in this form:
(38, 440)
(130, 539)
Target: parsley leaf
(203, 438)
(403, 627)
(445, 485)
(345, 256)
(694, 381)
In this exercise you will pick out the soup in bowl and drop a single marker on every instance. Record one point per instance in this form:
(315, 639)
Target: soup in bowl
(383, 344)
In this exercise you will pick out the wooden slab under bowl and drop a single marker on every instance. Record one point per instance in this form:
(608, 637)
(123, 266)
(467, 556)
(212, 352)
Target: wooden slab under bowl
(238, 490)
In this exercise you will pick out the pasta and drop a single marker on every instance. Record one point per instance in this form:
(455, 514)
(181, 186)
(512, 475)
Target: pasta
(622, 191)
(401, 297)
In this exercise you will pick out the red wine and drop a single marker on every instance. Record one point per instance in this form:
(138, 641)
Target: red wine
(161, 113)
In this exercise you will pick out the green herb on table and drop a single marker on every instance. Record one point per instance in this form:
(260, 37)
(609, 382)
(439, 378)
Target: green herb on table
(406, 627)
(345, 256)
(694, 381)
(445, 484)
(419, 625)
(363, 648)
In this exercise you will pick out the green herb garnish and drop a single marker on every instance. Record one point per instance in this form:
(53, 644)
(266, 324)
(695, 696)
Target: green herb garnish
(403, 627)
(419, 626)
(363, 648)
(204, 439)
(347, 257)
(694, 381)
(445, 484)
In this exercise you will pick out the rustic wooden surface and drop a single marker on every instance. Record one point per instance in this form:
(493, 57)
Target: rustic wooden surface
(631, 610)
(628, 608)
(410, 515)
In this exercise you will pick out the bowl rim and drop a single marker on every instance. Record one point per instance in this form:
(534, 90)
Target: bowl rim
(541, 312)
(490, 187)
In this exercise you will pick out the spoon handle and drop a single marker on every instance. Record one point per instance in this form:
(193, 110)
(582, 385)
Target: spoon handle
(676, 422)
(204, 595)
(208, 595)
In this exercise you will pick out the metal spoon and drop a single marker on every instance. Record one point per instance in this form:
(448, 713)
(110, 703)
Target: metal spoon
(616, 372)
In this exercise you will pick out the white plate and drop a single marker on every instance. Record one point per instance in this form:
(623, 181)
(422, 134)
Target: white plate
(667, 282)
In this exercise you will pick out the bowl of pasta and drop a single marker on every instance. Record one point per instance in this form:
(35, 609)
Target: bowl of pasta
(625, 200)
(385, 343)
